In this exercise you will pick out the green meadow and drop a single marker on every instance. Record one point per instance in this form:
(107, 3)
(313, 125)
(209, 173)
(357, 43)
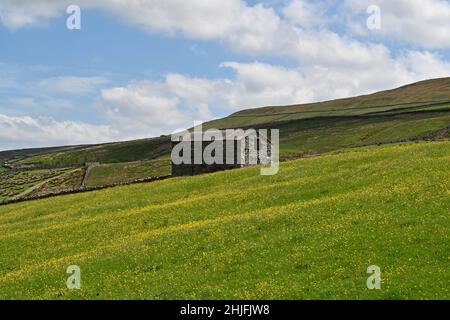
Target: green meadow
(110, 174)
(309, 232)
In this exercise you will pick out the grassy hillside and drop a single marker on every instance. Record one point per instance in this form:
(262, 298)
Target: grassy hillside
(434, 92)
(320, 135)
(309, 232)
(107, 153)
(109, 174)
(15, 155)
(426, 96)
(309, 135)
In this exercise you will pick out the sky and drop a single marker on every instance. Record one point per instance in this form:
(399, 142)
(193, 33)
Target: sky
(137, 69)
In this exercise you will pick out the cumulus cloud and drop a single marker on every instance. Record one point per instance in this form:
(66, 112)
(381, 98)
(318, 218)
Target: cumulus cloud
(16, 14)
(160, 107)
(300, 31)
(258, 84)
(148, 108)
(152, 108)
(249, 28)
(37, 132)
(260, 30)
(425, 65)
(424, 23)
(307, 14)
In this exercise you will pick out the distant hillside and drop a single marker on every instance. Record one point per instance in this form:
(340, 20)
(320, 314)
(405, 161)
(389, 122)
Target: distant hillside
(426, 99)
(407, 98)
(105, 153)
(12, 155)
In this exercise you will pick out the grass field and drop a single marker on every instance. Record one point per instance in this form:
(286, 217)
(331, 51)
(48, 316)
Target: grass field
(309, 232)
(109, 174)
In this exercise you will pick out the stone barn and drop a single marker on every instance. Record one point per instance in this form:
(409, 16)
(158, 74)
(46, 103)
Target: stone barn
(217, 150)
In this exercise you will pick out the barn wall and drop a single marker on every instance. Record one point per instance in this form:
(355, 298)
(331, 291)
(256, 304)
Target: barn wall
(194, 169)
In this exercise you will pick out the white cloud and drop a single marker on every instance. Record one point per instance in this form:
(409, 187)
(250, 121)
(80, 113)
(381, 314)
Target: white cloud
(259, 84)
(329, 49)
(425, 65)
(152, 108)
(257, 29)
(251, 29)
(233, 20)
(145, 109)
(425, 23)
(306, 13)
(260, 30)
(17, 14)
(34, 132)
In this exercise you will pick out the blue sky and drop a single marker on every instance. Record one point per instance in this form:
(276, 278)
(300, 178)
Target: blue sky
(140, 70)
